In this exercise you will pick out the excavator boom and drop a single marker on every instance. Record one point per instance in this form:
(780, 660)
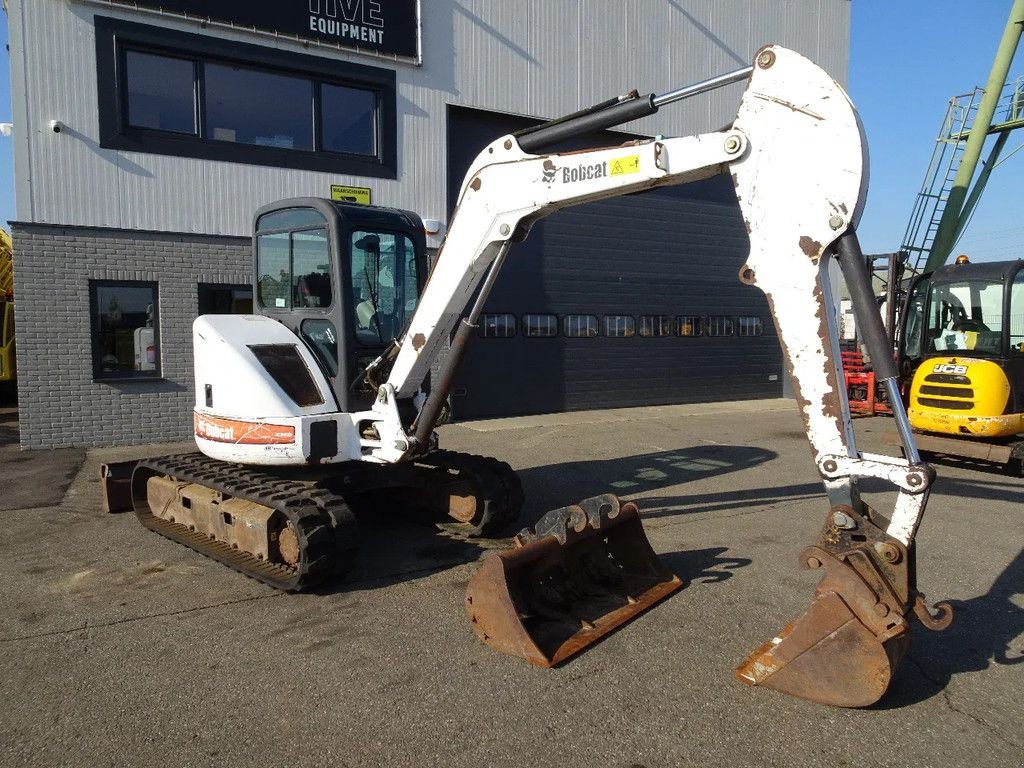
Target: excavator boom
(797, 156)
(274, 393)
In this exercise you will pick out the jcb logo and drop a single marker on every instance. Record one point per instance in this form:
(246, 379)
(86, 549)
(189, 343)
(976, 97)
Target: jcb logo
(956, 370)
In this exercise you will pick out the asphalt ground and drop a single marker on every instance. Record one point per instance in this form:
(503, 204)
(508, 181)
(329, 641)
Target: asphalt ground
(118, 647)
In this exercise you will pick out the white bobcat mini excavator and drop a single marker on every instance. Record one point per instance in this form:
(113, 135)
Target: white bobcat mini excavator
(320, 402)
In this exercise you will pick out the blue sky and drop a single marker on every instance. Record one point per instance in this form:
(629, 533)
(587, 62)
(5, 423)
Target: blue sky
(907, 58)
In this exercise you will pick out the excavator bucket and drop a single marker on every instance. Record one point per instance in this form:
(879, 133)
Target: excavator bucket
(844, 650)
(582, 572)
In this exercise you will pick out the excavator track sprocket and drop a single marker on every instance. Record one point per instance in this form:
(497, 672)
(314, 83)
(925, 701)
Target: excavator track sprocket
(304, 535)
(481, 496)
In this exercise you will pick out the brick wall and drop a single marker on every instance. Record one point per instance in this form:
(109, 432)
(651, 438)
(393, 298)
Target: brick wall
(60, 403)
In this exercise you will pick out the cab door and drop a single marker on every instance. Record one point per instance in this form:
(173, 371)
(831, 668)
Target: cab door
(1015, 341)
(297, 282)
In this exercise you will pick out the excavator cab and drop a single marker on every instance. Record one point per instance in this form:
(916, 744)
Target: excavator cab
(344, 278)
(962, 350)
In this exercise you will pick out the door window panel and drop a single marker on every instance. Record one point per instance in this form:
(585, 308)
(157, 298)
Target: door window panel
(690, 325)
(498, 325)
(540, 326)
(580, 326)
(385, 285)
(1017, 314)
(619, 326)
(274, 270)
(720, 325)
(311, 269)
(655, 325)
(323, 340)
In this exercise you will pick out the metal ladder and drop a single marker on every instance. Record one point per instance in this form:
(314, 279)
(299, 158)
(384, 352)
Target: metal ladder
(945, 162)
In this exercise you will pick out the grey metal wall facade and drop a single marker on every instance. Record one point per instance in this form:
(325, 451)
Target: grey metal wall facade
(85, 212)
(539, 58)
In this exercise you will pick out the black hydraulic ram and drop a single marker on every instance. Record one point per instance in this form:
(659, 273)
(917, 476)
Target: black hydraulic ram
(607, 114)
(872, 331)
(614, 112)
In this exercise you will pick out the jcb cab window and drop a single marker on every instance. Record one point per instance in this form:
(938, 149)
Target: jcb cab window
(384, 285)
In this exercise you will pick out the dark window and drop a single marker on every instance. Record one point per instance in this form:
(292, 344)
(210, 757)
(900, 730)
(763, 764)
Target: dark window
(254, 107)
(348, 119)
(125, 333)
(690, 325)
(286, 367)
(655, 325)
(498, 325)
(619, 326)
(161, 92)
(749, 326)
(720, 325)
(174, 93)
(323, 340)
(580, 326)
(536, 326)
(225, 299)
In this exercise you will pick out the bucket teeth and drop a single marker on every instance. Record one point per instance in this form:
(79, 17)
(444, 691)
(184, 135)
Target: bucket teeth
(844, 650)
(583, 571)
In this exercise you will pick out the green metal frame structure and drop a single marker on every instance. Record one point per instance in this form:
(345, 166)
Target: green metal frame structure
(947, 199)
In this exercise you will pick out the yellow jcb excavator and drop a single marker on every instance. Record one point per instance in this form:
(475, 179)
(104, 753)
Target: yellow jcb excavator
(8, 364)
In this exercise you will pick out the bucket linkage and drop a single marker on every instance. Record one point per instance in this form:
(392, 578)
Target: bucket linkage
(583, 571)
(844, 649)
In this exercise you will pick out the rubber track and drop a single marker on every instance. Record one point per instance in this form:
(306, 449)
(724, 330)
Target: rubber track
(497, 487)
(326, 528)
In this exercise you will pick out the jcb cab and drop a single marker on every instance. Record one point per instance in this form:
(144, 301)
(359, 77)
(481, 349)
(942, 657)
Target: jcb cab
(963, 343)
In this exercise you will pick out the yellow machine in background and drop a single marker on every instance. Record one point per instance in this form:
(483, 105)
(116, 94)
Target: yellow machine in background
(963, 338)
(8, 367)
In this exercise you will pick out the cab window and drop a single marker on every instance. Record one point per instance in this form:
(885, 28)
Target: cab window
(1017, 315)
(293, 266)
(385, 285)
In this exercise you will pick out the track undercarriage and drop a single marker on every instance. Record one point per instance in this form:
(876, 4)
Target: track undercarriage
(295, 529)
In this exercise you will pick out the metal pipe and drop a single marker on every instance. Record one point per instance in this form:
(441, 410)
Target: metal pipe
(892, 388)
(703, 86)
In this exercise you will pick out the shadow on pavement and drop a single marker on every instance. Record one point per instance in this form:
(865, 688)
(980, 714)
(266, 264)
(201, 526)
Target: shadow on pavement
(986, 630)
(394, 549)
(30, 479)
(995, 490)
(558, 485)
(703, 566)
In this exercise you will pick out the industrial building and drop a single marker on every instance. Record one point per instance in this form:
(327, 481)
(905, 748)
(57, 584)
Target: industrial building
(148, 132)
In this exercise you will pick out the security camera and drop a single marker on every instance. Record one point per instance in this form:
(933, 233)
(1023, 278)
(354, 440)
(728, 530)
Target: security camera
(56, 126)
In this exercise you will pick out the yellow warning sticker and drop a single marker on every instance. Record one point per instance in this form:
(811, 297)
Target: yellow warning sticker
(623, 165)
(350, 194)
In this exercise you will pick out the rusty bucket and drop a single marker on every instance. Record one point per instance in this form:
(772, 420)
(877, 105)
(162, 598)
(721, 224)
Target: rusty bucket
(845, 648)
(582, 572)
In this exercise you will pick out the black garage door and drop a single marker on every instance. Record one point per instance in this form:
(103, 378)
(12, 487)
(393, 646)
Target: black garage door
(623, 302)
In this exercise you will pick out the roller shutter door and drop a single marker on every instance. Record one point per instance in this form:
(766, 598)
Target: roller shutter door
(628, 264)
